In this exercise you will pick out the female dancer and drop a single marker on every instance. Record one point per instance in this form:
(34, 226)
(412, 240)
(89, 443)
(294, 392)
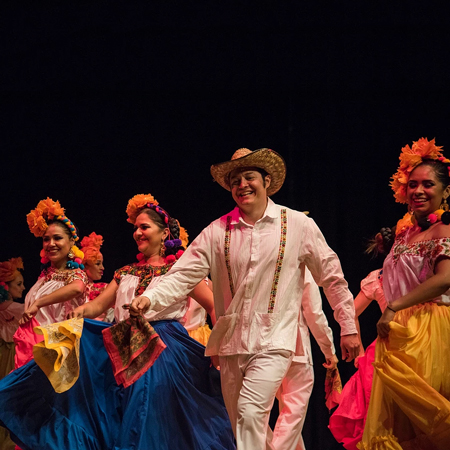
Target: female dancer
(347, 421)
(93, 265)
(173, 405)
(409, 404)
(60, 287)
(11, 289)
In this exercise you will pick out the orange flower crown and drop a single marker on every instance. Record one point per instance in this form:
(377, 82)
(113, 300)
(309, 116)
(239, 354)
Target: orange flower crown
(48, 210)
(90, 246)
(137, 203)
(410, 158)
(10, 269)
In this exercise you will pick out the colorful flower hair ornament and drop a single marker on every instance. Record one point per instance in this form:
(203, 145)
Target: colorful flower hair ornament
(410, 158)
(10, 269)
(90, 246)
(137, 203)
(4, 292)
(48, 210)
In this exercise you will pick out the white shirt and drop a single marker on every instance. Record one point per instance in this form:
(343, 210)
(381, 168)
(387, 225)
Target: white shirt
(312, 313)
(245, 325)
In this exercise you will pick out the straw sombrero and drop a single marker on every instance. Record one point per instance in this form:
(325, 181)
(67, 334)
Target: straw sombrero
(263, 158)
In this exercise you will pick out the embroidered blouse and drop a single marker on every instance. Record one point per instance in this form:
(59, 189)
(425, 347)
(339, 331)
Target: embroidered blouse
(410, 264)
(48, 282)
(133, 280)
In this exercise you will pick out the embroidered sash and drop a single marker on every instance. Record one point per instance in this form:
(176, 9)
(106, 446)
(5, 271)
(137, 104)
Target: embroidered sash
(133, 346)
(279, 263)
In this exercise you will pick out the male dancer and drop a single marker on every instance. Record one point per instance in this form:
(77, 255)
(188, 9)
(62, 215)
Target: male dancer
(256, 256)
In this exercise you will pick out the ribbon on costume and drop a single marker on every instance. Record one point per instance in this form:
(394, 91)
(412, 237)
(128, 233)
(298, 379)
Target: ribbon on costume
(333, 388)
(133, 346)
(58, 355)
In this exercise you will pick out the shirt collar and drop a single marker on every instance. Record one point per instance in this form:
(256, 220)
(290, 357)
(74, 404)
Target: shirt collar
(271, 212)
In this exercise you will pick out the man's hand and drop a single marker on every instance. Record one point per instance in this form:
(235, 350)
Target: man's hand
(331, 363)
(139, 306)
(349, 347)
(215, 361)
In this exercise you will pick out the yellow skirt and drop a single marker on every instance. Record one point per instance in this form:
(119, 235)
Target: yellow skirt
(7, 352)
(201, 334)
(410, 401)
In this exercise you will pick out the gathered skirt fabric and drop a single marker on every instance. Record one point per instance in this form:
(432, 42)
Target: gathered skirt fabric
(7, 353)
(176, 404)
(201, 334)
(347, 421)
(410, 401)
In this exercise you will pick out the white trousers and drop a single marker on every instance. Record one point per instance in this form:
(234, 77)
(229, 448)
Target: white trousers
(293, 397)
(249, 385)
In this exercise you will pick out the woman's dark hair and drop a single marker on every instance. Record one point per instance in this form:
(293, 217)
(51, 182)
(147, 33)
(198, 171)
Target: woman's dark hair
(155, 217)
(174, 228)
(440, 169)
(63, 226)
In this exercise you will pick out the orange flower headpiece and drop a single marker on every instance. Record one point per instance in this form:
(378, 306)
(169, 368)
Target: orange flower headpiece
(184, 237)
(48, 210)
(10, 269)
(138, 203)
(410, 158)
(90, 246)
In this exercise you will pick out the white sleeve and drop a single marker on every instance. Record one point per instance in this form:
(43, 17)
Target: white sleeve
(187, 272)
(315, 317)
(326, 270)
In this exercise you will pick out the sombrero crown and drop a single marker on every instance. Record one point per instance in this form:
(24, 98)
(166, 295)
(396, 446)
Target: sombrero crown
(263, 158)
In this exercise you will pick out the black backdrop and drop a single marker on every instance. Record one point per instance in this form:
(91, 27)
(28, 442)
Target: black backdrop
(101, 101)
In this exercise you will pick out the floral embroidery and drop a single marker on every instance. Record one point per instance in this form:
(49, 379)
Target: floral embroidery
(276, 278)
(428, 250)
(227, 253)
(64, 275)
(93, 290)
(145, 273)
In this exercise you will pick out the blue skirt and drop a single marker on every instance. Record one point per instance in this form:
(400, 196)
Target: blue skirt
(175, 405)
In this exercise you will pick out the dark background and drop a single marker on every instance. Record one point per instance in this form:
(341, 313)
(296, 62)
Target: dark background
(101, 101)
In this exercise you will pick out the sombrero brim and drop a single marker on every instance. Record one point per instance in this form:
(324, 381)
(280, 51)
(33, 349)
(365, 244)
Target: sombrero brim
(263, 158)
